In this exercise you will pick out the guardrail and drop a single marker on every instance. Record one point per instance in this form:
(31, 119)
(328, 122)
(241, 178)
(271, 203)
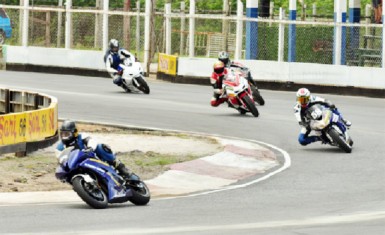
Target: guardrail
(28, 121)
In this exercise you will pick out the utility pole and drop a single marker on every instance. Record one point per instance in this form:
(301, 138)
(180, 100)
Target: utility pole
(127, 24)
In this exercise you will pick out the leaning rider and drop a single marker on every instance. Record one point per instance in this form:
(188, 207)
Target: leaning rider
(70, 137)
(304, 101)
(115, 56)
(216, 80)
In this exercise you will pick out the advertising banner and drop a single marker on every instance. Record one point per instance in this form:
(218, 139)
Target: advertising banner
(167, 64)
(28, 126)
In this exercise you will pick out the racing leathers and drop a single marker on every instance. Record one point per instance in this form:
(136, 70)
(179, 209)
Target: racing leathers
(112, 60)
(216, 81)
(300, 114)
(102, 151)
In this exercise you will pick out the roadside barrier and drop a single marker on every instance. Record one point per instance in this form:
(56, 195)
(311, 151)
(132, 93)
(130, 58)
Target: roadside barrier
(28, 121)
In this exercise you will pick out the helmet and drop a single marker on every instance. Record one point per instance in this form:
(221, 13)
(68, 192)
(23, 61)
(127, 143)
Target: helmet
(219, 67)
(68, 132)
(303, 97)
(224, 57)
(114, 45)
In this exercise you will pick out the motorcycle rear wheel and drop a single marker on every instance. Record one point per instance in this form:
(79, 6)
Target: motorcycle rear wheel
(95, 198)
(143, 86)
(250, 105)
(140, 193)
(337, 138)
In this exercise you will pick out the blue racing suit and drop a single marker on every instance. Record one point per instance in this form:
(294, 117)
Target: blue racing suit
(102, 151)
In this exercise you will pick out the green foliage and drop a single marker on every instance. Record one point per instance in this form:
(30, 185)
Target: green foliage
(307, 39)
(323, 6)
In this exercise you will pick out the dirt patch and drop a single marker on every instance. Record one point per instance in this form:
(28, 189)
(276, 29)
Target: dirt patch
(148, 154)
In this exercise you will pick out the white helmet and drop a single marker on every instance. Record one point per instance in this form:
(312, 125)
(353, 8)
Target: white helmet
(303, 97)
(114, 45)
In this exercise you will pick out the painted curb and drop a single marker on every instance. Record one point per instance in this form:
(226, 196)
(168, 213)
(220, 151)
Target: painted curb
(239, 160)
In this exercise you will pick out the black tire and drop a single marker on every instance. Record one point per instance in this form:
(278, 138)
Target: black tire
(96, 199)
(140, 193)
(250, 105)
(143, 86)
(338, 139)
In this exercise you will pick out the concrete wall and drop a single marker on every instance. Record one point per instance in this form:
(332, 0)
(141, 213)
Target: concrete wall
(304, 73)
(56, 57)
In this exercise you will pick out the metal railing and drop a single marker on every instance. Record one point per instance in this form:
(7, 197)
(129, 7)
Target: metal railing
(175, 31)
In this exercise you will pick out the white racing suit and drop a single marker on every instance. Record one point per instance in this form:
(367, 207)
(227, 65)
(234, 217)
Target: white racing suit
(300, 114)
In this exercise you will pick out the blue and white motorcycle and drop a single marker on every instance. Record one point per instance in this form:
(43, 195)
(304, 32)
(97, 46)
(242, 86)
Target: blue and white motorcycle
(132, 76)
(332, 128)
(96, 182)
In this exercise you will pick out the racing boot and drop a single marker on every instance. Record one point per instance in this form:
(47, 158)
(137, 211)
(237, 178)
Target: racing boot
(122, 169)
(347, 122)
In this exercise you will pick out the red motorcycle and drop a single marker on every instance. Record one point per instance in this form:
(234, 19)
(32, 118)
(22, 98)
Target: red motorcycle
(237, 90)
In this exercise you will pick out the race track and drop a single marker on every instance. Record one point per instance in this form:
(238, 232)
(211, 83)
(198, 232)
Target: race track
(325, 191)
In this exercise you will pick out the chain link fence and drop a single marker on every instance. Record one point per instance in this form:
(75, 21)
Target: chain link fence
(212, 33)
(43, 29)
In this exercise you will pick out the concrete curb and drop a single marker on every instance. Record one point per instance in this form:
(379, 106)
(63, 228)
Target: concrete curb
(239, 160)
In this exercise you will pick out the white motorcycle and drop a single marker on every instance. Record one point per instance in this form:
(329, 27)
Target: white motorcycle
(132, 77)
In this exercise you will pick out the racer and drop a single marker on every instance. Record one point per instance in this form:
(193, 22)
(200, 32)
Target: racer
(69, 137)
(216, 80)
(304, 101)
(113, 57)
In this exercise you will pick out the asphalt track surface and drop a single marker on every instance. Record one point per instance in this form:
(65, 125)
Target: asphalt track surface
(325, 191)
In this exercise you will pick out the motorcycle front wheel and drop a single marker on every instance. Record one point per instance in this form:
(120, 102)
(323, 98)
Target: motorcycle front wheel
(140, 193)
(250, 105)
(94, 197)
(143, 86)
(338, 139)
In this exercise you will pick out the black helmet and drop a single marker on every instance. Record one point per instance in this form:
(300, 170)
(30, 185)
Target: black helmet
(114, 45)
(224, 57)
(68, 132)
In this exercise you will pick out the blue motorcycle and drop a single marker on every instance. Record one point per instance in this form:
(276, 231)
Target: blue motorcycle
(96, 182)
(332, 128)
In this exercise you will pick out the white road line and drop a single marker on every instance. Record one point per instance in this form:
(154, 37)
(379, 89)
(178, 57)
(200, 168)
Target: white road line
(309, 222)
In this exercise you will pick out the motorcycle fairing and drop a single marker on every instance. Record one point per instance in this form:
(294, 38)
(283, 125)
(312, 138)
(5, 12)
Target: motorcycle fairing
(116, 190)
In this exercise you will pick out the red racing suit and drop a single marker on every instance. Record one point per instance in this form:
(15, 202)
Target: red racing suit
(216, 81)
